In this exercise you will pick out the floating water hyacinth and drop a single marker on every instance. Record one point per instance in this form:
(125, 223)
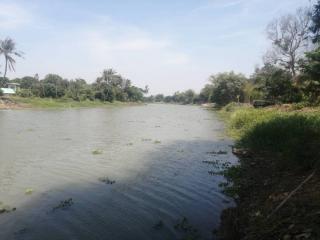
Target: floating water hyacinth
(146, 139)
(97, 152)
(6, 209)
(28, 191)
(64, 204)
(218, 152)
(106, 180)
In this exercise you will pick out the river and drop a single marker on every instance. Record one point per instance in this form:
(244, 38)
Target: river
(154, 153)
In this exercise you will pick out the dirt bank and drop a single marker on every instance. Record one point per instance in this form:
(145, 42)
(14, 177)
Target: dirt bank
(8, 103)
(259, 188)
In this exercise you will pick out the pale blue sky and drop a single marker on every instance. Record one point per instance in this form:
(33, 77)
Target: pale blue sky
(169, 45)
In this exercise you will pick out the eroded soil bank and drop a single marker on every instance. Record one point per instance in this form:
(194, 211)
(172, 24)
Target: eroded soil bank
(8, 103)
(259, 187)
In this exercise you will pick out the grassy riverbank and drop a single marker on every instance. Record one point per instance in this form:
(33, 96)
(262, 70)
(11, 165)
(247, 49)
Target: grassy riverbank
(278, 149)
(34, 102)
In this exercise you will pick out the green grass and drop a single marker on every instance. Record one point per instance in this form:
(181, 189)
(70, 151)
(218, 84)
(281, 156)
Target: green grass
(294, 136)
(35, 102)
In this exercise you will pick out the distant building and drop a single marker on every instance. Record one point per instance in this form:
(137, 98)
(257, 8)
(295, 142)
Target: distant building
(11, 88)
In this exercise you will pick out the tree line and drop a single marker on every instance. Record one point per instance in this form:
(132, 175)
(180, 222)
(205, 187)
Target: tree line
(290, 71)
(110, 86)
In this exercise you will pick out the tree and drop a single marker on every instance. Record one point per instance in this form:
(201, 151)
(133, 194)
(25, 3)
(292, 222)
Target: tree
(77, 90)
(3, 81)
(159, 98)
(310, 78)
(289, 37)
(8, 49)
(227, 87)
(53, 86)
(205, 94)
(189, 96)
(275, 84)
(315, 25)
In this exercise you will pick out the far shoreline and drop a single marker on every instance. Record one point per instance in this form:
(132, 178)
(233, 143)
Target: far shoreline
(20, 103)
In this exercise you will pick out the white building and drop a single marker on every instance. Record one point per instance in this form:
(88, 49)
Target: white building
(11, 88)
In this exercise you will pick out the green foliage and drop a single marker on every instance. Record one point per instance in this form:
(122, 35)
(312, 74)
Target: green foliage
(293, 136)
(109, 87)
(227, 87)
(206, 92)
(159, 98)
(275, 84)
(251, 93)
(3, 81)
(315, 26)
(1, 93)
(112, 86)
(310, 79)
(9, 51)
(24, 93)
(187, 97)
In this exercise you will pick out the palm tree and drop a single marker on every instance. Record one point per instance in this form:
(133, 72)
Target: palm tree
(8, 49)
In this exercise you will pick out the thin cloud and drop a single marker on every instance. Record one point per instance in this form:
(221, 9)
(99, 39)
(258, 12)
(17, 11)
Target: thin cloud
(13, 16)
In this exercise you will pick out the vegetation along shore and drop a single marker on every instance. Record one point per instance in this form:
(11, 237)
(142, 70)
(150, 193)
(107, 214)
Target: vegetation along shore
(276, 184)
(273, 115)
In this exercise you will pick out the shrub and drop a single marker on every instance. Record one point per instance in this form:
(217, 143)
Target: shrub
(295, 137)
(1, 92)
(25, 93)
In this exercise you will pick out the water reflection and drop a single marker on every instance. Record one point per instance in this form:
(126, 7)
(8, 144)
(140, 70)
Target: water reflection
(154, 153)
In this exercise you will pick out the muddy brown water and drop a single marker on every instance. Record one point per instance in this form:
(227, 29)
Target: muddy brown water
(154, 153)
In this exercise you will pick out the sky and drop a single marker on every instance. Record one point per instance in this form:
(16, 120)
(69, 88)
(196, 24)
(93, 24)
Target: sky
(169, 45)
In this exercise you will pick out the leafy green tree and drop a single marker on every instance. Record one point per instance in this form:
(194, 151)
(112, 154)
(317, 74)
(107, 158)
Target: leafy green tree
(77, 90)
(315, 25)
(205, 94)
(53, 86)
(159, 98)
(26, 82)
(135, 94)
(3, 81)
(189, 97)
(310, 79)
(227, 87)
(8, 50)
(275, 84)
(251, 92)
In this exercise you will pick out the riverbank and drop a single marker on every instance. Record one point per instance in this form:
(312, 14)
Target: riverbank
(276, 185)
(15, 102)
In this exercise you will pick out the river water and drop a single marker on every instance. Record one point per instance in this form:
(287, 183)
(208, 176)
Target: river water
(154, 153)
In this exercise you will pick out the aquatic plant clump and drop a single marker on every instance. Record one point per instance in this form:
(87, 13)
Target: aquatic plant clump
(187, 229)
(107, 180)
(65, 204)
(97, 152)
(6, 209)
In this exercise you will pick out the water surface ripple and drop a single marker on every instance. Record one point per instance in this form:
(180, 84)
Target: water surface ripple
(154, 152)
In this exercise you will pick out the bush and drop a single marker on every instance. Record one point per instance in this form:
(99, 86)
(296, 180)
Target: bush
(1, 93)
(295, 137)
(25, 93)
(300, 105)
